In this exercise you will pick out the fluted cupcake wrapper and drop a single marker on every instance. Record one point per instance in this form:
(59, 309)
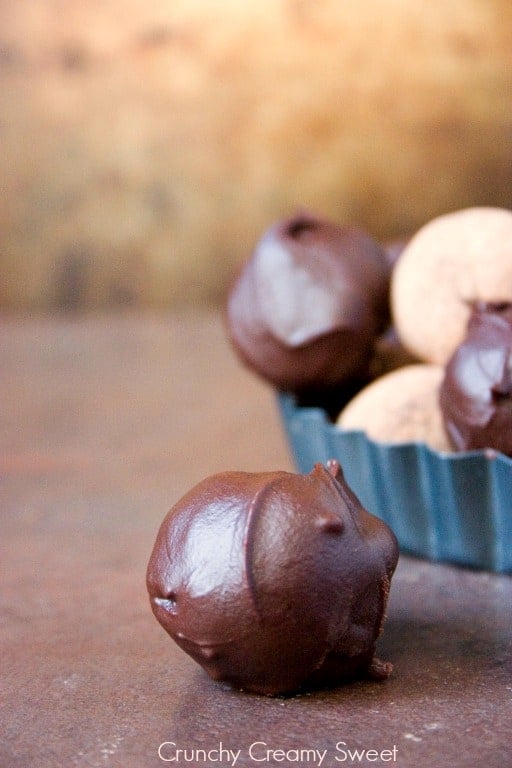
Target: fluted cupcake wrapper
(451, 507)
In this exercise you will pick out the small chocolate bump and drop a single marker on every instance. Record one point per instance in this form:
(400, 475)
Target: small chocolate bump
(299, 226)
(329, 524)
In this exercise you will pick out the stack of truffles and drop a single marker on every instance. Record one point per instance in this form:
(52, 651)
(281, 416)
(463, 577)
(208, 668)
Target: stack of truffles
(408, 342)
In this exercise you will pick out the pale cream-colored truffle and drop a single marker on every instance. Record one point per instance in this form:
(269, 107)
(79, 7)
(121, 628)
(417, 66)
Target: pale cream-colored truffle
(400, 407)
(453, 261)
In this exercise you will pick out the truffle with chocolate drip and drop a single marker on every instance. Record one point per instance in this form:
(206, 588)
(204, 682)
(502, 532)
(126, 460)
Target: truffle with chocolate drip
(476, 392)
(306, 307)
(274, 581)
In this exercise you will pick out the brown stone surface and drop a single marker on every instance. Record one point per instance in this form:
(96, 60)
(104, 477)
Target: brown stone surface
(105, 423)
(145, 145)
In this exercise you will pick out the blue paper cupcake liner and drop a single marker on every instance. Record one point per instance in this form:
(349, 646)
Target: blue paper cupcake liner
(450, 507)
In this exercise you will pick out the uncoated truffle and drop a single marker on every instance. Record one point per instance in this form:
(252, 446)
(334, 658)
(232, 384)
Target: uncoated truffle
(274, 581)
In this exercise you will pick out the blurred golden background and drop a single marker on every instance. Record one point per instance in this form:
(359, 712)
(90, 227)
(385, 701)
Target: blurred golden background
(144, 146)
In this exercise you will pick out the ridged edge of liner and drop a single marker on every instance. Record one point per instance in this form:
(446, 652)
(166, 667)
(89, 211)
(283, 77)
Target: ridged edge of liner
(449, 507)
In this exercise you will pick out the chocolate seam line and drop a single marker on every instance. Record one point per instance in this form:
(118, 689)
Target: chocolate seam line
(253, 514)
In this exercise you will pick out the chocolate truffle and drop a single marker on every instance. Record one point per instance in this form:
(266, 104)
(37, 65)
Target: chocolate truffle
(476, 392)
(452, 262)
(305, 308)
(274, 581)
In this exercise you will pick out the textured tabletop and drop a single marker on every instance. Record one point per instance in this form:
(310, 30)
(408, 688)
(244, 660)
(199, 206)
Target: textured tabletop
(106, 422)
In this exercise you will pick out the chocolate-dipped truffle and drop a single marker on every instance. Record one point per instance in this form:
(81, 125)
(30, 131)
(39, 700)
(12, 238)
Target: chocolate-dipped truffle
(274, 581)
(476, 392)
(305, 308)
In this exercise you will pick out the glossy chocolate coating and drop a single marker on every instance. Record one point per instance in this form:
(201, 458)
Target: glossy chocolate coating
(306, 307)
(273, 581)
(476, 393)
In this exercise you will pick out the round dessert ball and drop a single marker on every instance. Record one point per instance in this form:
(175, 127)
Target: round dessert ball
(476, 391)
(306, 307)
(451, 263)
(274, 581)
(400, 407)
